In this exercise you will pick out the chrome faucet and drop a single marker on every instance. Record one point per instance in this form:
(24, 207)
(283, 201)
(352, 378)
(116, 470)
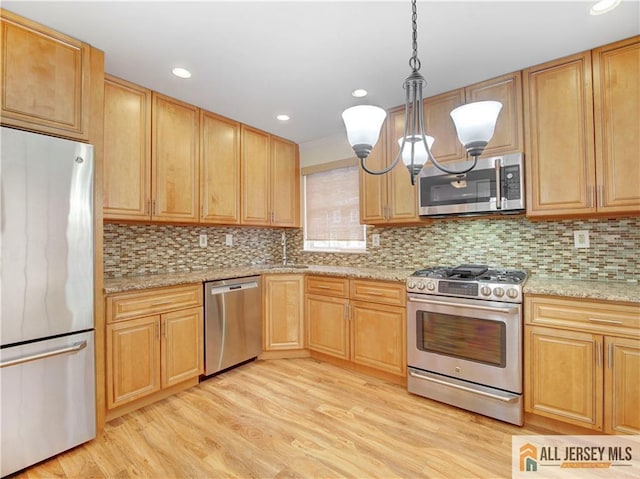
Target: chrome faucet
(283, 242)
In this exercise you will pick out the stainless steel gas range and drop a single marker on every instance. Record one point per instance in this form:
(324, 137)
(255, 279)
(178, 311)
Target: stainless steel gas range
(464, 338)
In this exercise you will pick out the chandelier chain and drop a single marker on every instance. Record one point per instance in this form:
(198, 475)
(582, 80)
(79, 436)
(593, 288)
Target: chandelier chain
(414, 61)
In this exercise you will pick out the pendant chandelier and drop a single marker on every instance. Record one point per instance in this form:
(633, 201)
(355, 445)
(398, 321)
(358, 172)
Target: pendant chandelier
(474, 122)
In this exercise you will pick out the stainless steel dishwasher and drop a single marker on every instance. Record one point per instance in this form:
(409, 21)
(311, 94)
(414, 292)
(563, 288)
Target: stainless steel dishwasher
(232, 323)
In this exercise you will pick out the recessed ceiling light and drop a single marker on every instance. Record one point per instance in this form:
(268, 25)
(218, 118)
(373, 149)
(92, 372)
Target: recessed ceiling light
(181, 72)
(359, 93)
(283, 117)
(604, 6)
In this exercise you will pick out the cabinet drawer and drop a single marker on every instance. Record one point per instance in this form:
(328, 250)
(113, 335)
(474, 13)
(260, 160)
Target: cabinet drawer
(133, 304)
(327, 285)
(378, 292)
(602, 317)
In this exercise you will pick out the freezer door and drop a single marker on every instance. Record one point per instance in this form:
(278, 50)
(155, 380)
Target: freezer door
(46, 236)
(47, 392)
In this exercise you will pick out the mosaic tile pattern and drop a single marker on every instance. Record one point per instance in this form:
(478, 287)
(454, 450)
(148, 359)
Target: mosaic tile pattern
(543, 247)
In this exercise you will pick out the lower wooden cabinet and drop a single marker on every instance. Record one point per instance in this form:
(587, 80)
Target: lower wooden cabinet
(582, 363)
(368, 331)
(283, 313)
(159, 345)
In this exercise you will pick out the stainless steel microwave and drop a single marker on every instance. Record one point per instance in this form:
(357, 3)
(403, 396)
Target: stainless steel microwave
(495, 185)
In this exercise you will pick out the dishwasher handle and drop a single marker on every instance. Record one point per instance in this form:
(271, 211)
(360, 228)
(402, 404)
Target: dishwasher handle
(227, 288)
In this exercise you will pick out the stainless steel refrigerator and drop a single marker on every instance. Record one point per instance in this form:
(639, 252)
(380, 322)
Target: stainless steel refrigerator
(47, 374)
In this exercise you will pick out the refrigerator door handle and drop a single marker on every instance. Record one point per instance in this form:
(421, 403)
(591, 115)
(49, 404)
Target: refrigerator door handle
(35, 357)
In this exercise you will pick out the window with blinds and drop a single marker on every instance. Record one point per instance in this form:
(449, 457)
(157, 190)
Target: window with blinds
(332, 210)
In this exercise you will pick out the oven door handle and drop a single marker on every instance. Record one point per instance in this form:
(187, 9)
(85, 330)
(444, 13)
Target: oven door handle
(464, 388)
(462, 305)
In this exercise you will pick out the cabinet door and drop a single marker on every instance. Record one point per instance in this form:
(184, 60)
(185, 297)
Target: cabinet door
(559, 137)
(219, 169)
(616, 91)
(45, 79)
(563, 375)
(283, 312)
(327, 325)
(622, 386)
(438, 124)
(402, 196)
(285, 183)
(379, 336)
(507, 89)
(373, 188)
(255, 174)
(127, 150)
(182, 350)
(133, 360)
(174, 160)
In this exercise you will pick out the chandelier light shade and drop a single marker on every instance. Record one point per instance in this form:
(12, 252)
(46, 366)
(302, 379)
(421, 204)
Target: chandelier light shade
(420, 156)
(475, 124)
(363, 125)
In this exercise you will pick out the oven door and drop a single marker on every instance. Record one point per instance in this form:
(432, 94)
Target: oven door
(466, 339)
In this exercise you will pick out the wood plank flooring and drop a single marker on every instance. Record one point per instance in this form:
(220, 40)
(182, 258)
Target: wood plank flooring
(293, 418)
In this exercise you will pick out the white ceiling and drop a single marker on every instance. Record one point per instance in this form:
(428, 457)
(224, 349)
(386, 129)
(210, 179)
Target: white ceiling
(253, 60)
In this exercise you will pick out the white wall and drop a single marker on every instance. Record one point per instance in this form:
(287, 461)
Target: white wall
(330, 148)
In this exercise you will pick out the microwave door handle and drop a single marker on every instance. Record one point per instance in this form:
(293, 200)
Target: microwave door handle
(498, 166)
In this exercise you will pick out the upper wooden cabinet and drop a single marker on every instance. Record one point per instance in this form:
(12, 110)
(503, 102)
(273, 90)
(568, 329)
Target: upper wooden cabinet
(46, 79)
(439, 125)
(579, 163)
(616, 94)
(508, 134)
(174, 160)
(559, 141)
(270, 180)
(127, 150)
(285, 183)
(389, 198)
(219, 169)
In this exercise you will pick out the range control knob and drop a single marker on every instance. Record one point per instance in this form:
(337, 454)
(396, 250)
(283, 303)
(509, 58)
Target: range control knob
(420, 285)
(512, 293)
(485, 291)
(499, 292)
(411, 284)
(431, 286)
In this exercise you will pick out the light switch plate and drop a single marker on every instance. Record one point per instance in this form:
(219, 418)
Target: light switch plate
(581, 238)
(202, 241)
(228, 239)
(375, 239)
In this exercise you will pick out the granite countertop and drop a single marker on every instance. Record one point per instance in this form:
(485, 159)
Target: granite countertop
(117, 285)
(604, 290)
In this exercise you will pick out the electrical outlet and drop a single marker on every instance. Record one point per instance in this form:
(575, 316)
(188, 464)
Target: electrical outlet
(228, 239)
(202, 241)
(581, 238)
(375, 239)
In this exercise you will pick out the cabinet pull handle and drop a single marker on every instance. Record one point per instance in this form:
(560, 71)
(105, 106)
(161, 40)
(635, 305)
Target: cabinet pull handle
(321, 286)
(599, 353)
(161, 303)
(600, 196)
(374, 293)
(346, 312)
(610, 356)
(608, 321)
(158, 327)
(153, 208)
(165, 328)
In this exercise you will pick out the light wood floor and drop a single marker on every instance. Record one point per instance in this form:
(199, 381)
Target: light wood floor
(293, 418)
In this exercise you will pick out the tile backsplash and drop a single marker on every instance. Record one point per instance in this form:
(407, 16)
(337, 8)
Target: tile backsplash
(543, 247)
